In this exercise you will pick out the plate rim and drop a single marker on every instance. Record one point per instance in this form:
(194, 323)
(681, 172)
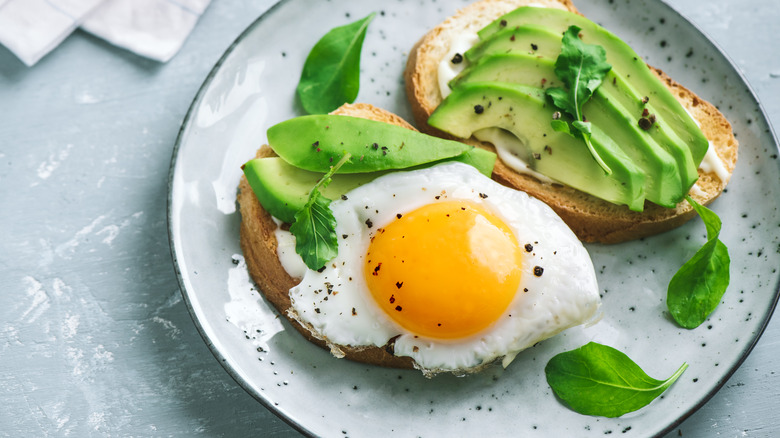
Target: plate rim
(287, 418)
(183, 129)
(748, 348)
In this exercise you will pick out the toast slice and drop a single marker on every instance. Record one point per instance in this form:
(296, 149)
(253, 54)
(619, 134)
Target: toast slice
(259, 245)
(592, 219)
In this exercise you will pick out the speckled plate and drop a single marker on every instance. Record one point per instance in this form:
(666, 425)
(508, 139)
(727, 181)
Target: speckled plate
(252, 87)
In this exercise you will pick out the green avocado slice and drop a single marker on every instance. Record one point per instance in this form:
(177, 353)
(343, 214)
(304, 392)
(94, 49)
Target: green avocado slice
(528, 39)
(663, 184)
(524, 112)
(623, 60)
(283, 189)
(316, 142)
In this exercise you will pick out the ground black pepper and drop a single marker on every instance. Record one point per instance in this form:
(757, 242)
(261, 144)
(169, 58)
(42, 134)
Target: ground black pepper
(538, 271)
(479, 109)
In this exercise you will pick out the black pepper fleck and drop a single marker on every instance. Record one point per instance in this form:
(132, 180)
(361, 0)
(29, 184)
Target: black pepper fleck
(538, 271)
(457, 59)
(479, 109)
(645, 123)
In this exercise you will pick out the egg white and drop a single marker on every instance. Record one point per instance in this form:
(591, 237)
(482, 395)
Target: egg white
(336, 305)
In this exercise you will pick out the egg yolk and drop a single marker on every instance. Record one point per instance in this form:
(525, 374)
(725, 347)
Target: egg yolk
(446, 270)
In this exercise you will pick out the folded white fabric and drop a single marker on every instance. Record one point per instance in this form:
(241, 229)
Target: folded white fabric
(152, 28)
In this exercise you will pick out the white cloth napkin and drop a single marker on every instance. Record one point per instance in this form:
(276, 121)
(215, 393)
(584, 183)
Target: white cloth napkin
(155, 29)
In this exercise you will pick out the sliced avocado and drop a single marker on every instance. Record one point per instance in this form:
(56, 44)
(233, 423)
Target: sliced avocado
(535, 71)
(514, 68)
(663, 184)
(624, 61)
(283, 189)
(524, 112)
(481, 159)
(617, 89)
(529, 39)
(316, 142)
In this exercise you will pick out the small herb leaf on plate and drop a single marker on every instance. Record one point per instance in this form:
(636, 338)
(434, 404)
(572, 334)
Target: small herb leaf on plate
(581, 67)
(315, 227)
(599, 380)
(331, 73)
(697, 288)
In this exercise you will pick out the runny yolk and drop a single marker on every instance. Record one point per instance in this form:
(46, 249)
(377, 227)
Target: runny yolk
(446, 270)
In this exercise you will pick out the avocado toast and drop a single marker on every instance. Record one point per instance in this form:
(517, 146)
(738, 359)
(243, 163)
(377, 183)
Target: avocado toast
(508, 64)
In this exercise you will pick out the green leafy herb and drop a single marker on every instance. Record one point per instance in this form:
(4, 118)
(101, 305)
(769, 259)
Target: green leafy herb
(331, 74)
(581, 67)
(696, 289)
(599, 380)
(315, 227)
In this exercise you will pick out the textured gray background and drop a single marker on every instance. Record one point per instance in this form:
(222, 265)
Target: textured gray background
(94, 337)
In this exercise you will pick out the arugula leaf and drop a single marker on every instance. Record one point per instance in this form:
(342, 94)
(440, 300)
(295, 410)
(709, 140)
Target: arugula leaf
(581, 67)
(599, 380)
(315, 227)
(331, 73)
(696, 289)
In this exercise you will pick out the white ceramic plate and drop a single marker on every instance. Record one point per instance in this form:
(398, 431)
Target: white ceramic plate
(252, 87)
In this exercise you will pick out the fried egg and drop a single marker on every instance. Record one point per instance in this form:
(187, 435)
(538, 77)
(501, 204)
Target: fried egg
(450, 268)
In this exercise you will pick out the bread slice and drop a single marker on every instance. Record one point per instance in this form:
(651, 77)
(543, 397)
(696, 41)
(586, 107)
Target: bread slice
(592, 219)
(258, 242)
